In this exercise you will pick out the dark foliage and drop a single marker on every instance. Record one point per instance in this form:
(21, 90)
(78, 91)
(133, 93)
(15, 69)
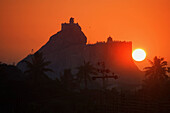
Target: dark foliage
(157, 81)
(68, 80)
(84, 73)
(37, 68)
(158, 69)
(9, 72)
(19, 96)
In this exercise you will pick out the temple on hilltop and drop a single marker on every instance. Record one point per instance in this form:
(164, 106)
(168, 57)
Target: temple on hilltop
(71, 25)
(114, 53)
(109, 39)
(67, 49)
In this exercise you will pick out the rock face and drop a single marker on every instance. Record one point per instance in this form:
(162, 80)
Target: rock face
(70, 35)
(68, 49)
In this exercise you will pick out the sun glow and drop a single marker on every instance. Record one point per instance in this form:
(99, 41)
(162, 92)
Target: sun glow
(139, 54)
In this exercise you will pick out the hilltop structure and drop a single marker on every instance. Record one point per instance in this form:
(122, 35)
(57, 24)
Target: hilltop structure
(68, 49)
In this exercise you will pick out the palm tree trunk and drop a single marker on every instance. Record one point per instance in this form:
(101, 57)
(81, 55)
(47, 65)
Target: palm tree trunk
(85, 81)
(104, 84)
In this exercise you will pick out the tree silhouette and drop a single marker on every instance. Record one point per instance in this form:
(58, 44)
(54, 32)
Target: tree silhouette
(67, 79)
(157, 80)
(84, 72)
(9, 73)
(158, 69)
(37, 68)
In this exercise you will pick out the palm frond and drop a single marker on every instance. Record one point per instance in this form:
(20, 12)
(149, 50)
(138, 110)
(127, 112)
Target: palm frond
(37, 68)
(152, 63)
(29, 64)
(46, 63)
(158, 68)
(47, 69)
(168, 70)
(148, 68)
(161, 59)
(149, 72)
(164, 63)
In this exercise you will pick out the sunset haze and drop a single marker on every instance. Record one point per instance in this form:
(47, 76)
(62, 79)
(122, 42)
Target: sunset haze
(28, 24)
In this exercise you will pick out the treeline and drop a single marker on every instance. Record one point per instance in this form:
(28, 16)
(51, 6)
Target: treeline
(34, 92)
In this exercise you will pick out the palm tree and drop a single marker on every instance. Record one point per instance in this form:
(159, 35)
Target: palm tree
(37, 67)
(158, 69)
(67, 79)
(84, 72)
(157, 80)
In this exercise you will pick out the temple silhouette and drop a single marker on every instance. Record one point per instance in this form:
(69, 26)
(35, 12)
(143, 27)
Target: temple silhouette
(68, 49)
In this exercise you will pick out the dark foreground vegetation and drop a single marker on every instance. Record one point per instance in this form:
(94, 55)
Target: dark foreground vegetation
(25, 93)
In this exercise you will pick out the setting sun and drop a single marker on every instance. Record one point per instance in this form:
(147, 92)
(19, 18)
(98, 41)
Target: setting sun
(139, 54)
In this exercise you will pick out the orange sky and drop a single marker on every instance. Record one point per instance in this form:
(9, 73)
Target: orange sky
(28, 24)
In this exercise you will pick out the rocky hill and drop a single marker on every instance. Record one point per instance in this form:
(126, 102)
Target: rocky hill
(68, 49)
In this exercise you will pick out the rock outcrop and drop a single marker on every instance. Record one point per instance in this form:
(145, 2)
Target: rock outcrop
(68, 49)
